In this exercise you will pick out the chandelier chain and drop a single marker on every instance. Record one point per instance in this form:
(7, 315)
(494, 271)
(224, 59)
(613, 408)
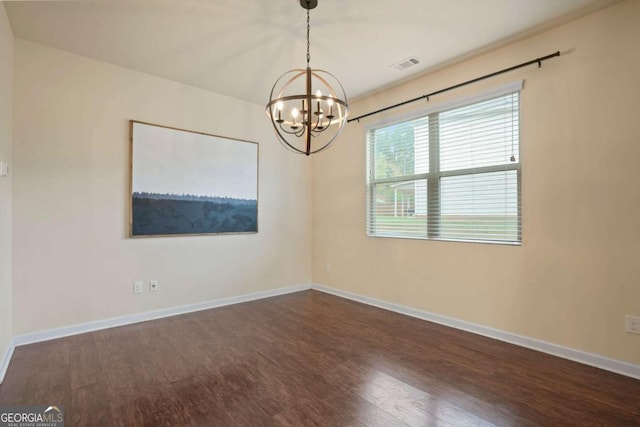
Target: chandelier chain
(308, 28)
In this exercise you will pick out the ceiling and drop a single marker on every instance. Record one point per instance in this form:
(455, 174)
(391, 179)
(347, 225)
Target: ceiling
(239, 48)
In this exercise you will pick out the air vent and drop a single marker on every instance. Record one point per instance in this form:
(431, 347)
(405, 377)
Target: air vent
(406, 63)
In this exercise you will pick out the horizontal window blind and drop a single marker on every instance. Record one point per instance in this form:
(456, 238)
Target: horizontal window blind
(478, 135)
(480, 206)
(452, 174)
(399, 208)
(401, 150)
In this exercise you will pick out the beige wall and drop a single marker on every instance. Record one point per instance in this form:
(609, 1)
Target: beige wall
(577, 272)
(6, 145)
(73, 261)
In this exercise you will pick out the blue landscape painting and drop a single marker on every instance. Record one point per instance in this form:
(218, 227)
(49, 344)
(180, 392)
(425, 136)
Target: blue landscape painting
(187, 183)
(161, 214)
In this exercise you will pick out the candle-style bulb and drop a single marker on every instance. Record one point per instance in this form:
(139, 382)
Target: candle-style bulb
(330, 104)
(294, 114)
(277, 111)
(318, 95)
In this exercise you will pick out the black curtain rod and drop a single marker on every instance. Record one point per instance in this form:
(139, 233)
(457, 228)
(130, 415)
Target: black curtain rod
(438, 92)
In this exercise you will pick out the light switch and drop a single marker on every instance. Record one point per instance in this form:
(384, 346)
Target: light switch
(4, 169)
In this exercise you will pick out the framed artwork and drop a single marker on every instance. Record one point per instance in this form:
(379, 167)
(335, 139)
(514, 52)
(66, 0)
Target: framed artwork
(191, 183)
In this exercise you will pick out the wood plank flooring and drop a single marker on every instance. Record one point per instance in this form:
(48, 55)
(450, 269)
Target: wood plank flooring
(310, 359)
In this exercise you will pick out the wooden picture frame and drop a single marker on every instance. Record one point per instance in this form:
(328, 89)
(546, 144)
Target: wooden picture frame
(185, 183)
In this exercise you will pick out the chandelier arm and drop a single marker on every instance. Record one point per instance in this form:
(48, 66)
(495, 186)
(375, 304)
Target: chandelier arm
(319, 128)
(328, 144)
(288, 131)
(318, 122)
(285, 143)
(297, 133)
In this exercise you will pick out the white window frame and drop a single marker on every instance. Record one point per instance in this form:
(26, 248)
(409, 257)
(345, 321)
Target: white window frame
(434, 175)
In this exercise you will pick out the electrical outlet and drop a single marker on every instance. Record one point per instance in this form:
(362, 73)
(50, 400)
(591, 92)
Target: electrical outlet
(327, 266)
(138, 287)
(632, 324)
(153, 286)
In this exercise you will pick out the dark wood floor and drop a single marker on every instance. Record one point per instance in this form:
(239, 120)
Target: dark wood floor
(310, 359)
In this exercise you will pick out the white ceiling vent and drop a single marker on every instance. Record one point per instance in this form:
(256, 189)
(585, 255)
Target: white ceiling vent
(406, 63)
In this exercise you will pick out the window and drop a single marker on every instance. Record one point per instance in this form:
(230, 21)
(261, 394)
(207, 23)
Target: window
(451, 174)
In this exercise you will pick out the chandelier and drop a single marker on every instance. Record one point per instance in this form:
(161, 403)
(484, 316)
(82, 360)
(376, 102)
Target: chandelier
(308, 108)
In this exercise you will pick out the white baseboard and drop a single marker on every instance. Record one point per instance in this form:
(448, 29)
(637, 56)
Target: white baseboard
(136, 318)
(5, 360)
(602, 362)
(613, 365)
